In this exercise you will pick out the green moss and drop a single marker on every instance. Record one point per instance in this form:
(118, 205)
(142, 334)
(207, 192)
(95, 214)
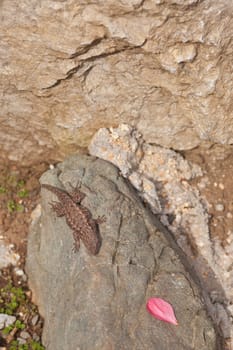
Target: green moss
(20, 183)
(16, 191)
(19, 208)
(23, 193)
(3, 189)
(36, 346)
(16, 346)
(19, 324)
(10, 298)
(32, 345)
(7, 329)
(11, 205)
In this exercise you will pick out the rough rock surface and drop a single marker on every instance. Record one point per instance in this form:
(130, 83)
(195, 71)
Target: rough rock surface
(69, 68)
(7, 255)
(161, 176)
(98, 302)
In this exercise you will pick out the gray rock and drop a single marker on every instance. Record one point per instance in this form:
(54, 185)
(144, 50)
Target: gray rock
(219, 207)
(35, 319)
(7, 255)
(21, 341)
(35, 337)
(99, 302)
(24, 335)
(6, 320)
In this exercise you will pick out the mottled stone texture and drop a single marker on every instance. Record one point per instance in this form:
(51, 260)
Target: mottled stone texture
(68, 68)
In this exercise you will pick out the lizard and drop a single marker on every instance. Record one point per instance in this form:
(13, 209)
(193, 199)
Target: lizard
(78, 218)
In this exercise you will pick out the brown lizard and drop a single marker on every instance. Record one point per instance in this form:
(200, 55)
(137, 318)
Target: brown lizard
(77, 217)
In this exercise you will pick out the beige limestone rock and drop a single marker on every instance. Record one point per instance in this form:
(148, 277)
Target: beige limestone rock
(68, 68)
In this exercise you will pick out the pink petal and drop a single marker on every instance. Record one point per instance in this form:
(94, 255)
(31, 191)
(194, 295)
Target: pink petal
(161, 310)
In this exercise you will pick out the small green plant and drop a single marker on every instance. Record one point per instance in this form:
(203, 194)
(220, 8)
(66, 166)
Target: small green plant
(19, 324)
(22, 193)
(2, 189)
(11, 205)
(36, 346)
(14, 187)
(18, 292)
(32, 345)
(12, 180)
(20, 183)
(13, 300)
(19, 207)
(10, 298)
(7, 329)
(16, 346)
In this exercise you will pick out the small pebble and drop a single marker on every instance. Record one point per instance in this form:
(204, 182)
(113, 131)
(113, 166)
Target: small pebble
(35, 337)
(35, 320)
(24, 335)
(18, 271)
(202, 184)
(21, 341)
(229, 215)
(221, 186)
(219, 207)
(6, 320)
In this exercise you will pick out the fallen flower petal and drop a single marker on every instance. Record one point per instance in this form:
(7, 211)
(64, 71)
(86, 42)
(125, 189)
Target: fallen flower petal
(161, 310)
